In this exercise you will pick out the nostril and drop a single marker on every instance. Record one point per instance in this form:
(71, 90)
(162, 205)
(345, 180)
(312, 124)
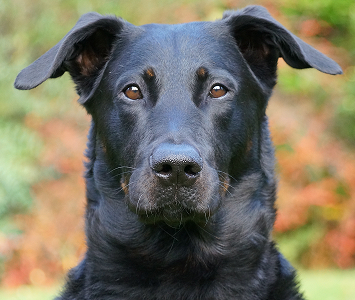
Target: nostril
(191, 170)
(164, 169)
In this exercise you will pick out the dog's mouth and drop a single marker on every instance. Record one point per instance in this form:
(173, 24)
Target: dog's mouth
(174, 205)
(177, 211)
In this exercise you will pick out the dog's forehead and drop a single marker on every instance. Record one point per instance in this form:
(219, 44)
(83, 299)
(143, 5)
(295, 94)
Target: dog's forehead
(182, 46)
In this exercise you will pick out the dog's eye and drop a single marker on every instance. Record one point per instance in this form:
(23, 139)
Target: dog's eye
(133, 92)
(218, 91)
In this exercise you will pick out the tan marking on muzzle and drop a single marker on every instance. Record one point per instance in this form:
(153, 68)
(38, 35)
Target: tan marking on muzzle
(124, 186)
(224, 185)
(249, 146)
(103, 147)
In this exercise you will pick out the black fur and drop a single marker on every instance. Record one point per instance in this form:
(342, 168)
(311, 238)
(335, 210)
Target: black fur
(180, 182)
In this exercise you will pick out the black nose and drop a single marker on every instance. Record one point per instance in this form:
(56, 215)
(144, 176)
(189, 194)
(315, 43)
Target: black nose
(176, 164)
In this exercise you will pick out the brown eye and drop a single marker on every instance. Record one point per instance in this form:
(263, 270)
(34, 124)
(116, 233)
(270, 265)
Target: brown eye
(133, 92)
(218, 91)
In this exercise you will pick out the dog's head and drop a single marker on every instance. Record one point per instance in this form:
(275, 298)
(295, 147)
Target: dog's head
(178, 110)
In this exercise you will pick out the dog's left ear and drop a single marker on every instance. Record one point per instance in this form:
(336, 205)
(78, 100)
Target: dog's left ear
(262, 40)
(83, 52)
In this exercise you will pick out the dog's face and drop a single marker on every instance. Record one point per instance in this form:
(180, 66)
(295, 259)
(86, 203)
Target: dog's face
(178, 110)
(172, 116)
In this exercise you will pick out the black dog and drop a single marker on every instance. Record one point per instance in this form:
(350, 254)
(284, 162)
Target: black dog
(180, 178)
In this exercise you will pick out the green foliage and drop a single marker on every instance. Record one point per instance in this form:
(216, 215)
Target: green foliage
(294, 243)
(20, 148)
(340, 15)
(303, 83)
(344, 122)
(337, 18)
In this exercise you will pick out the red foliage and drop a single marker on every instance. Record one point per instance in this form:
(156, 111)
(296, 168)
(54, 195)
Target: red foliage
(317, 185)
(53, 232)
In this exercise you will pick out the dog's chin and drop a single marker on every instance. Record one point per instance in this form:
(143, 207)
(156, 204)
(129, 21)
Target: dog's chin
(174, 213)
(174, 217)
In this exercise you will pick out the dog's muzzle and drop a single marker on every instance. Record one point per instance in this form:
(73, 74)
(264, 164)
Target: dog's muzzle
(176, 185)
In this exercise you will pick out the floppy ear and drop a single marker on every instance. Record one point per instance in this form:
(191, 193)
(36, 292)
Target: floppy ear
(83, 52)
(262, 40)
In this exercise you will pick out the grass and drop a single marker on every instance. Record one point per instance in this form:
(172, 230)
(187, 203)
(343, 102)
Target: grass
(317, 285)
(29, 293)
(328, 284)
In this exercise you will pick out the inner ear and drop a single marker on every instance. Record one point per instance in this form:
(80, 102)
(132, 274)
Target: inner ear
(259, 51)
(92, 53)
(87, 62)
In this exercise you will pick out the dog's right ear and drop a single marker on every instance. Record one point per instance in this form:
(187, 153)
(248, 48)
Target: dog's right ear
(83, 52)
(262, 40)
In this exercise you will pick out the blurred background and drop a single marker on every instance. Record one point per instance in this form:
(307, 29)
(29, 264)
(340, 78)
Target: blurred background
(43, 134)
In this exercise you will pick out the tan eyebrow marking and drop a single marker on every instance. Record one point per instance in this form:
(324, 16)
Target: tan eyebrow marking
(150, 73)
(201, 72)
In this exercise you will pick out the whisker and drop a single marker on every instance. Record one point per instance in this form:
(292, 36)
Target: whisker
(180, 220)
(178, 231)
(118, 175)
(123, 167)
(222, 185)
(171, 247)
(209, 215)
(209, 233)
(173, 236)
(137, 206)
(121, 189)
(224, 173)
(188, 232)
